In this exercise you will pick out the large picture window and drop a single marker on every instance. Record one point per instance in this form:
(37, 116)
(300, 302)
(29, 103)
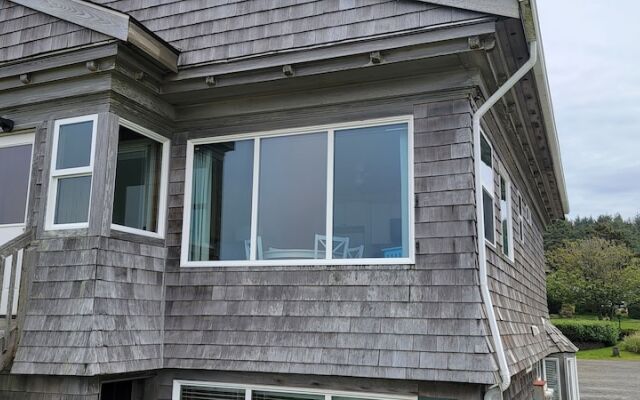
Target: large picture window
(140, 185)
(71, 172)
(308, 196)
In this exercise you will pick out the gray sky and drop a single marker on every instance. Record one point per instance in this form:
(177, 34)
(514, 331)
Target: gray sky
(593, 55)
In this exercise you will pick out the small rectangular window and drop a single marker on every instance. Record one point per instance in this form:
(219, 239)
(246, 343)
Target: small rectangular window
(488, 205)
(506, 217)
(138, 199)
(71, 172)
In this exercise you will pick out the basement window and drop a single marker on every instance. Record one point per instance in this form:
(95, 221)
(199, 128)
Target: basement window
(487, 177)
(140, 185)
(337, 194)
(71, 172)
(193, 390)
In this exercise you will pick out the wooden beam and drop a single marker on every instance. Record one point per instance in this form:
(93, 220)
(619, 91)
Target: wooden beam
(152, 46)
(505, 8)
(85, 14)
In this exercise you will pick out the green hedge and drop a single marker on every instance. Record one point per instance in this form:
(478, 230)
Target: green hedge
(634, 311)
(603, 332)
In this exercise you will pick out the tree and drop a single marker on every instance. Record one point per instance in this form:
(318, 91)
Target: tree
(594, 273)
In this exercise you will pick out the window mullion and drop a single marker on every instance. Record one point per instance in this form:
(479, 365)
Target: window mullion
(329, 216)
(254, 200)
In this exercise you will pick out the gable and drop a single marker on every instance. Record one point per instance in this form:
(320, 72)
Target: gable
(25, 32)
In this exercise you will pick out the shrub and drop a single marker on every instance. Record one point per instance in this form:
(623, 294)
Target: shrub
(624, 332)
(603, 332)
(567, 310)
(632, 343)
(634, 311)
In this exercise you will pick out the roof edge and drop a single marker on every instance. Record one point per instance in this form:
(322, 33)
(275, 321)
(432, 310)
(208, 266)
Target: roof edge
(544, 91)
(108, 22)
(505, 8)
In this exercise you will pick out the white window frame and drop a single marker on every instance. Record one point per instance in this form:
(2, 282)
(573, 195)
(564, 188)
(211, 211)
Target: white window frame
(328, 394)
(16, 140)
(55, 175)
(571, 371)
(508, 190)
(492, 193)
(257, 136)
(544, 372)
(521, 236)
(164, 179)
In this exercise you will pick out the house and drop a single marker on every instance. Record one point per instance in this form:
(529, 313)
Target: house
(291, 199)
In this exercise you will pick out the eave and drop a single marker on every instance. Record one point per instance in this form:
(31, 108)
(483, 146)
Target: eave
(111, 23)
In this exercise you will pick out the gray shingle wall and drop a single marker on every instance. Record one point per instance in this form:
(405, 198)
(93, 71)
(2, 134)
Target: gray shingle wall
(521, 386)
(519, 288)
(25, 32)
(95, 308)
(16, 387)
(206, 31)
(420, 322)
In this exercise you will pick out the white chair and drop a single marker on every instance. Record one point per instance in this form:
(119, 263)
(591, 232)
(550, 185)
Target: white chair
(340, 246)
(355, 252)
(247, 249)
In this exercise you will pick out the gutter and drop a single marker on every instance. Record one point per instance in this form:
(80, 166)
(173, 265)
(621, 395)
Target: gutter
(495, 392)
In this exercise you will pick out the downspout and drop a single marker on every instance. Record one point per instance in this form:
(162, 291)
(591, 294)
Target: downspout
(505, 376)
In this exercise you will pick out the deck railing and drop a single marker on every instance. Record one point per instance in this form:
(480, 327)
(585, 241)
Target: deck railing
(16, 256)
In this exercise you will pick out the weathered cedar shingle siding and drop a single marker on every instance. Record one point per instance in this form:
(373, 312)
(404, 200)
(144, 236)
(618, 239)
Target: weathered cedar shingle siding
(518, 288)
(423, 322)
(25, 32)
(206, 31)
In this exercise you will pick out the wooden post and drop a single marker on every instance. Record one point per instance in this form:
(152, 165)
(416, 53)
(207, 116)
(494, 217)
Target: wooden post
(12, 283)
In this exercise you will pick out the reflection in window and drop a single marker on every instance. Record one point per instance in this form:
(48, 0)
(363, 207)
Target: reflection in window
(486, 171)
(286, 214)
(15, 165)
(221, 201)
(137, 187)
(370, 191)
(72, 200)
(505, 217)
(74, 145)
(292, 203)
(262, 395)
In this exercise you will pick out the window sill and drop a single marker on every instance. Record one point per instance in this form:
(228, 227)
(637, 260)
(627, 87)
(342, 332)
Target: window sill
(135, 231)
(279, 263)
(136, 235)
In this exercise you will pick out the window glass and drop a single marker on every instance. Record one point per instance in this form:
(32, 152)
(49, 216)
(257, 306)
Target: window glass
(74, 145)
(505, 215)
(15, 165)
(72, 200)
(292, 201)
(137, 188)
(221, 201)
(262, 395)
(487, 207)
(370, 205)
(486, 167)
(210, 393)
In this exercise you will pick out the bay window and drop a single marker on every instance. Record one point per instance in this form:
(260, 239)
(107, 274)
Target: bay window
(487, 178)
(71, 172)
(140, 184)
(307, 196)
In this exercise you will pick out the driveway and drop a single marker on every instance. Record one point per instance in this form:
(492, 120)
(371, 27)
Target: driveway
(609, 380)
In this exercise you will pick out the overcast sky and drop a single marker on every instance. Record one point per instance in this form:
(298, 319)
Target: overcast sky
(592, 51)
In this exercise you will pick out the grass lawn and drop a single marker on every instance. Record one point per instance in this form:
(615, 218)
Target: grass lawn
(605, 352)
